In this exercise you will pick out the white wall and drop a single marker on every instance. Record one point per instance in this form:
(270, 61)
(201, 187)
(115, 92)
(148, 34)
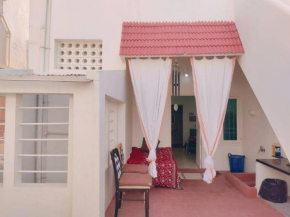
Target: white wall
(254, 131)
(81, 195)
(115, 86)
(266, 39)
(101, 19)
(36, 23)
(16, 14)
(257, 132)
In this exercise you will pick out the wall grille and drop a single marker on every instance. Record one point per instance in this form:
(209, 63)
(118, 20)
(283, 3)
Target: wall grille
(79, 54)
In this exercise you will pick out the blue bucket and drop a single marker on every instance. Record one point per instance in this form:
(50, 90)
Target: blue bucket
(236, 163)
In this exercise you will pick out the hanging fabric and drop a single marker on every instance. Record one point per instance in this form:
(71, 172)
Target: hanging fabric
(150, 79)
(212, 83)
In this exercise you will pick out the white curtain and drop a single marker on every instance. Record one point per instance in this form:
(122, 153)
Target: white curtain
(150, 79)
(212, 83)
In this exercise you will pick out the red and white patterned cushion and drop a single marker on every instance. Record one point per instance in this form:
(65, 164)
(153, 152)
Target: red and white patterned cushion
(167, 170)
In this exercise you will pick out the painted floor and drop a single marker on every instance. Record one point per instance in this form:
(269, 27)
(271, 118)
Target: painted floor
(198, 199)
(184, 159)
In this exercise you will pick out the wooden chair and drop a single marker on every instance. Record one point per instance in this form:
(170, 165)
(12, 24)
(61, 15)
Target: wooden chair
(129, 182)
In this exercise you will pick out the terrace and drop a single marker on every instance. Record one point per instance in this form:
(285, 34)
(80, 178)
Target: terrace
(197, 199)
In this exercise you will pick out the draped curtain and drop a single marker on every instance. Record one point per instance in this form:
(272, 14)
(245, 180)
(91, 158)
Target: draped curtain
(150, 79)
(212, 83)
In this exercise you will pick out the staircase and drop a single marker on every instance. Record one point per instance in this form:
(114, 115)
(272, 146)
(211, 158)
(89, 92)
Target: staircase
(264, 28)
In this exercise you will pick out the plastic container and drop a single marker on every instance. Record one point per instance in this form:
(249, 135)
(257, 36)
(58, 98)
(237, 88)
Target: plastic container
(274, 190)
(236, 163)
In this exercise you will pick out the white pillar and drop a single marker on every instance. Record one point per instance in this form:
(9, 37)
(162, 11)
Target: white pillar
(12, 132)
(85, 154)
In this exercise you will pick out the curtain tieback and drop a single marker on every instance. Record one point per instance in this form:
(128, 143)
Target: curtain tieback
(152, 166)
(210, 172)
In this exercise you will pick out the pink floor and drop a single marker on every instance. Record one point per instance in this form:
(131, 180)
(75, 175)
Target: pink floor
(198, 199)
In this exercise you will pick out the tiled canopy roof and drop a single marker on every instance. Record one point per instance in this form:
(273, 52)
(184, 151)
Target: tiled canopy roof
(180, 38)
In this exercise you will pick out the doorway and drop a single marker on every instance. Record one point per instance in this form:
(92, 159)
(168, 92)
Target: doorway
(177, 126)
(184, 131)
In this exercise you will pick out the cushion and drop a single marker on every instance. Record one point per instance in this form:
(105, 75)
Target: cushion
(135, 168)
(135, 179)
(118, 165)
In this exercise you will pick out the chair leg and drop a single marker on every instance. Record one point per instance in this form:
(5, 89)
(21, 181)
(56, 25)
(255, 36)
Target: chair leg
(117, 203)
(120, 201)
(147, 203)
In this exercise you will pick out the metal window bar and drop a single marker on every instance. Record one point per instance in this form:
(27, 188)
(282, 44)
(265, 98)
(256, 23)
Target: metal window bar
(43, 140)
(23, 140)
(42, 155)
(175, 79)
(23, 108)
(43, 124)
(41, 171)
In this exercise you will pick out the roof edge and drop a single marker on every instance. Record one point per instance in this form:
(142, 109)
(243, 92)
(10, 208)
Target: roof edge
(15, 72)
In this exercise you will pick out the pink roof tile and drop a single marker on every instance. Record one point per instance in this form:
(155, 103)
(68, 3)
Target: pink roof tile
(180, 38)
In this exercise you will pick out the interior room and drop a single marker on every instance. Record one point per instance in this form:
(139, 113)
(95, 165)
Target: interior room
(183, 131)
(183, 115)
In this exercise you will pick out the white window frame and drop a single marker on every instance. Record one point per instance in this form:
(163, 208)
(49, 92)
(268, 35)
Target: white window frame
(19, 139)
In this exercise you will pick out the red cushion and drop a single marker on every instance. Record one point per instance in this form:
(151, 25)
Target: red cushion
(166, 166)
(135, 168)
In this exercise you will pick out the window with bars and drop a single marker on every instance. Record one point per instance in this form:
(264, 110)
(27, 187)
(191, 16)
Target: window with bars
(42, 152)
(230, 122)
(2, 135)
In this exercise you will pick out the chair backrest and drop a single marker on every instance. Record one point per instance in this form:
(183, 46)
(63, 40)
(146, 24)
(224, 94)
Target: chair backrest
(116, 165)
(120, 152)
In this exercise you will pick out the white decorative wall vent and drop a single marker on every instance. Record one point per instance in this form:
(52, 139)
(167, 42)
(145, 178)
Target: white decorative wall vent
(78, 54)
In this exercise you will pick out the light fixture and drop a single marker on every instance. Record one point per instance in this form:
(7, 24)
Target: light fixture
(252, 112)
(185, 72)
(175, 107)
